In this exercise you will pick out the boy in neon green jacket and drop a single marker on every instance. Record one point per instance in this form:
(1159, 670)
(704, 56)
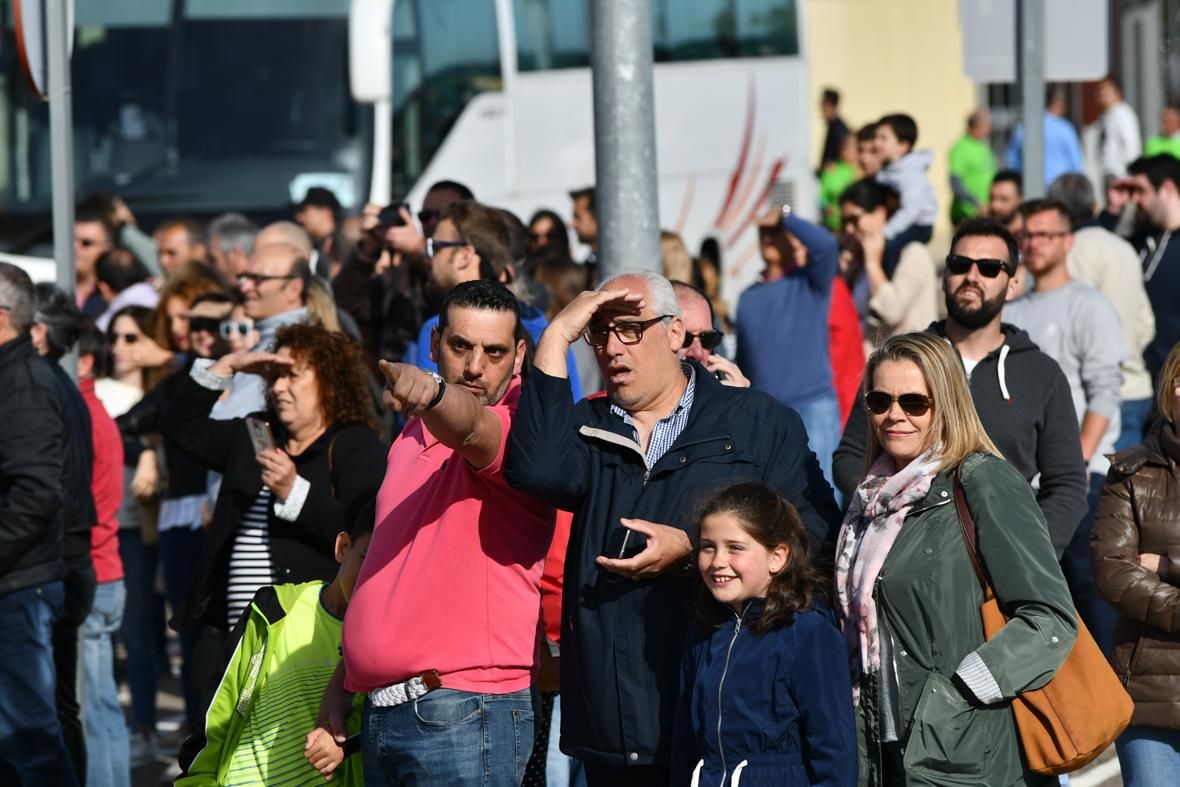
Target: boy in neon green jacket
(277, 662)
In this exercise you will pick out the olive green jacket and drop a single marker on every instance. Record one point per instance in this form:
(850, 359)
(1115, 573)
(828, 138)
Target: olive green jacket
(928, 600)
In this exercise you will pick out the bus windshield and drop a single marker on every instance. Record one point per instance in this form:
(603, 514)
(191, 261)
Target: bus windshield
(221, 107)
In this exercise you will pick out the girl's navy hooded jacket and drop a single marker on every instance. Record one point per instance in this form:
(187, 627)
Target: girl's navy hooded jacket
(771, 709)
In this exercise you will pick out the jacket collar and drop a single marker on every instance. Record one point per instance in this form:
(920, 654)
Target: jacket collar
(1161, 447)
(15, 349)
(702, 420)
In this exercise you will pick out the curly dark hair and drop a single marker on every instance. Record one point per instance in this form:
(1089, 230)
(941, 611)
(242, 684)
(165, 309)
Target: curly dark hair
(339, 366)
(771, 521)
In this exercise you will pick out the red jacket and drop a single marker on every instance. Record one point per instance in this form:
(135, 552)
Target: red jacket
(846, 346)
(107, 487)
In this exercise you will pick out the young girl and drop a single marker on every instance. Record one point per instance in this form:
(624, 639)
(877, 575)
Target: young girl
(765, 694)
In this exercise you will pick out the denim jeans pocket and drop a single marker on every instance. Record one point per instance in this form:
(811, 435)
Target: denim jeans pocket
(444, 708)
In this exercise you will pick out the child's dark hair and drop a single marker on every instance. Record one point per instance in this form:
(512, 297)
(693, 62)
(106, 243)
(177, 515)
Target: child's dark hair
(771, 521)
(904, 127)
(363, 524)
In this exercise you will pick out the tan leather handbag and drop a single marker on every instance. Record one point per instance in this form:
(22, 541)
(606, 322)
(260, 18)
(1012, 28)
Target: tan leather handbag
(1080, 711)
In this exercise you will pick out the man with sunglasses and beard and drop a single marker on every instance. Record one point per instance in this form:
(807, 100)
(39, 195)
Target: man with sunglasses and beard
(1020, 393)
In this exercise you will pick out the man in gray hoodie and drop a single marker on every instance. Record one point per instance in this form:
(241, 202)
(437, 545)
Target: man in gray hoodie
(1020, 393)
(904, 171)
(1080, 329)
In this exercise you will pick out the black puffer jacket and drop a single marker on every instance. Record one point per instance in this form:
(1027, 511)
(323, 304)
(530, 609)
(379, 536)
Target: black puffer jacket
(32, 437)
(1139, 513)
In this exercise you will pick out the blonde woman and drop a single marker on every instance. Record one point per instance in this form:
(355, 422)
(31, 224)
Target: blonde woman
(932, 695)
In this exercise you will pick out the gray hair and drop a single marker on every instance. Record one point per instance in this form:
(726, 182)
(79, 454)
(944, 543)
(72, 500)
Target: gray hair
(233, 231)
(1075, 191)
(662, 296)
(16, 294)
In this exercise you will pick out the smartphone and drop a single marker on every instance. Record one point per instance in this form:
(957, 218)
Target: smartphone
(625, 543)
(260, 435)
(391, 215)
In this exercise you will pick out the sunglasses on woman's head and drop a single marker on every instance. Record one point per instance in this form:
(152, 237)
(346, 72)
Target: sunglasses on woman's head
(235, 328)
(914, 404)
(957, 264)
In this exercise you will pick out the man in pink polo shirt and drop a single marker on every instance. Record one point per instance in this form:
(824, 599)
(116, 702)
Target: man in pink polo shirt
(441, 630)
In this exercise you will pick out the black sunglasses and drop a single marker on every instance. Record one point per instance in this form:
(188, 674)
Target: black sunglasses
(709, 339)
(207, 324)
(231, 328)
(427, 216)
(914, 404)
(957, 264)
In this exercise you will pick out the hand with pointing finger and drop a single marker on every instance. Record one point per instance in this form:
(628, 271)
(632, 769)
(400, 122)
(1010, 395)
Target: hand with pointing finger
(667, 547)
(408, 389)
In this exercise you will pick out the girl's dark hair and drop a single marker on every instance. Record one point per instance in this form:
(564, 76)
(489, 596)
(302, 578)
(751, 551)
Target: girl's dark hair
(93, 342)
(558, 237)
(771, 521)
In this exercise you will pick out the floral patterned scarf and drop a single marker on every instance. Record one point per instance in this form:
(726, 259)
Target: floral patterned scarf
(874, 519)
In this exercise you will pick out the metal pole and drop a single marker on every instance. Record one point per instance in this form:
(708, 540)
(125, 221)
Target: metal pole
(1030, 31)
(57, 34)
(626, 201)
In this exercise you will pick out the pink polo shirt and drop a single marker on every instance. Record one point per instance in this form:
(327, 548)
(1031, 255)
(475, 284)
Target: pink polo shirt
(451, 580)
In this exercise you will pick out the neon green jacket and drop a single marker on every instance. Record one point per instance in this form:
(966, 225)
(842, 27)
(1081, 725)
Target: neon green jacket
(277, 662)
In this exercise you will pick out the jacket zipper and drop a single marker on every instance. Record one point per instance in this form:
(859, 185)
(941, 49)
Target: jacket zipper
(1131, 661)
(737, 627)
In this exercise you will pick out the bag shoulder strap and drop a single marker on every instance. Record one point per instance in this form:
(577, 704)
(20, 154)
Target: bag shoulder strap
(967, 525)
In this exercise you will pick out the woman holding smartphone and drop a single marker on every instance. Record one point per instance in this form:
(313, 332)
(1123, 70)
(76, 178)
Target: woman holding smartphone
(294, 476)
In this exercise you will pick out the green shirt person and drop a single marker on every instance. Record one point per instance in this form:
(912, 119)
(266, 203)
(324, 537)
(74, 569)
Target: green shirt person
(835, 177)
(1168, 140)
(972, 167)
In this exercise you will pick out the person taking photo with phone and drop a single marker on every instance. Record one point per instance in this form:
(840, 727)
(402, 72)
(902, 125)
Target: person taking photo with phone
(285, 496)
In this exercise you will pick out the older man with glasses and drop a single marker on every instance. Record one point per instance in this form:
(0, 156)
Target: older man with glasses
(632, 467)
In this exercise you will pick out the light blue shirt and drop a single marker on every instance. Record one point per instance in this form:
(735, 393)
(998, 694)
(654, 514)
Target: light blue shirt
(1063, 151)
(248, 391)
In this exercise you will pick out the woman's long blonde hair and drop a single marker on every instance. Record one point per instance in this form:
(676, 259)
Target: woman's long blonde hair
(955, 423)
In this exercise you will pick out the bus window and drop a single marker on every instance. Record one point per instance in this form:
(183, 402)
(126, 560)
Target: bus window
(553, 34)
(445, 52)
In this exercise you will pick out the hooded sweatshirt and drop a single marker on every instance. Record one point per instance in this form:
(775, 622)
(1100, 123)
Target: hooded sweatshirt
(1025, 405)
(907, 176)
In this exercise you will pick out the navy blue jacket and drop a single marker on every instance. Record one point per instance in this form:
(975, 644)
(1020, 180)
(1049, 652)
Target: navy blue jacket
(780, 702)
(621, 640)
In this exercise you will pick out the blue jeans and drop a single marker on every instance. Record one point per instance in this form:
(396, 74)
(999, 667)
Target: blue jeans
(32, 750)
(141, 616)
(180, 557)
(108, 753)
(1134, 414)
(1078, 569)
(449, 737)
(1149, 756)
(821, 417)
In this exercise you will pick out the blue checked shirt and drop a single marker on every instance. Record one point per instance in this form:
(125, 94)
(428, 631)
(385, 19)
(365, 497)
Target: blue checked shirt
(667, 429)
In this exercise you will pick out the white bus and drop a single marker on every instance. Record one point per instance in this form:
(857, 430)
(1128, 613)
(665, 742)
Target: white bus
(496, 94)
(194, 107)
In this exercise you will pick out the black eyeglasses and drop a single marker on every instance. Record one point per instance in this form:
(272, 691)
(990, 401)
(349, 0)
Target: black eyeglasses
(206, 324)
(957, 264)
(432, 245)
(625, 332)
(231, 328)
(709, 339)
(914, 404)
(427, 216)
(257, 279)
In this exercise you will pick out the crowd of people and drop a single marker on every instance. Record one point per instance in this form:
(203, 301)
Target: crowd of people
(426, 499)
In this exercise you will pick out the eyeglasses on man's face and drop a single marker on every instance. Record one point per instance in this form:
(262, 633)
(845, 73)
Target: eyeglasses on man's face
(433, 246)
(709, 339)
(629, 332)
(258, 279)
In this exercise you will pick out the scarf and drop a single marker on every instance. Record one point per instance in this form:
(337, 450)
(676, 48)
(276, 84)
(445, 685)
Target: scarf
(874, 519)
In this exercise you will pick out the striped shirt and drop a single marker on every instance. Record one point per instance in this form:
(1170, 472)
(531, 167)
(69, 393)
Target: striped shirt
(250, 566)
(668, 429)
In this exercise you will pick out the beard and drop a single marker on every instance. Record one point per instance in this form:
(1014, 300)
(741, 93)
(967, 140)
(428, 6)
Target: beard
(973, 318)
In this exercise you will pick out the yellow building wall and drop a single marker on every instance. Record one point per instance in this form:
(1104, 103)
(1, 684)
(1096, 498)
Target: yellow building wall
(893, 56)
